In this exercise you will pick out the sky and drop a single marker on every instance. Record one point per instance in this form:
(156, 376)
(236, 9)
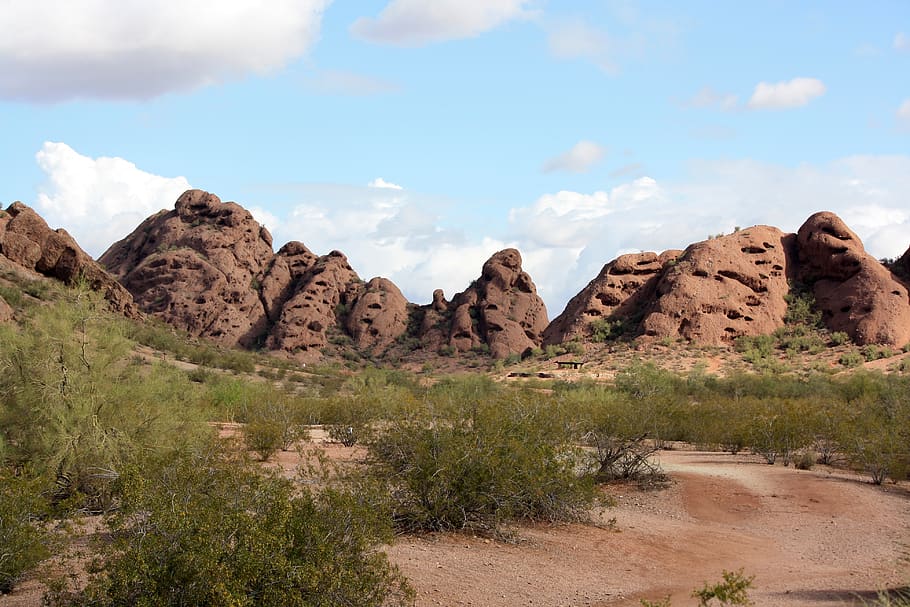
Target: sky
(420, 137)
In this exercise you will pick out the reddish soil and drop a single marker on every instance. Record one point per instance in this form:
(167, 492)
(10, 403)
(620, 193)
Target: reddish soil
(809, 538)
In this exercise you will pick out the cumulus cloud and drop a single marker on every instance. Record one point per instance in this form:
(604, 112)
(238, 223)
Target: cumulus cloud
(379, 182)
(707, 97)
(581, 157)
(417, 22)
(339, 82)
(387, 232)
(786, 94)
(567, 237)
(57, 51)
(901, 42)
(99, 200)
(576, 39)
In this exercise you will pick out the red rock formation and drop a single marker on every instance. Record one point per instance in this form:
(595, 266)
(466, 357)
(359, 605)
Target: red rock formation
(378, 317)
(723, 288)
(320, 299)
(196, 267)
(501, 309)
(27, 241)
(854, 291)
(623, 288)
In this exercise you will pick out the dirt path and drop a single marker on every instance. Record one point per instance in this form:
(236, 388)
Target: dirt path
(808, 537)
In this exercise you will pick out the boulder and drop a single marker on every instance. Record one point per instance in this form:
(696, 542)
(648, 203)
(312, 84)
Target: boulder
(723, 288)
(320, 299)
(501, 310)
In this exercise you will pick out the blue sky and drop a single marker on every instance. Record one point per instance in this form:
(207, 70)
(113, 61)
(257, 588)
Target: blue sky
(420, 137)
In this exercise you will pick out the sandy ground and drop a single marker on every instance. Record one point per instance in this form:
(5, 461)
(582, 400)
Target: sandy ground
(809, 538)
(817, 538)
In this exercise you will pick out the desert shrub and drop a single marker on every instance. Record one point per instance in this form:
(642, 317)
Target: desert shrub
(604, 330)
(777, 428)
(733, 590)
(805, 460)
(263, 436)
(23, 544)
(801, 308)
(491, 461)
(839, 338)
(618, 431)
(799, 338)
(76, 408)
(658, 396)
(850, 359)
(206, 530)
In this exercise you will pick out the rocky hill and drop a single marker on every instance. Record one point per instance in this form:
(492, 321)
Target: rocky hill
(208, 268)
(28, 244)
(735, 285)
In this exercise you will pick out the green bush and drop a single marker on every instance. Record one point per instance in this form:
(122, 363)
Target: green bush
(850, 359)
(76, 408)
(493, 461)
(23, 544)
(839, 338)
(209, 531)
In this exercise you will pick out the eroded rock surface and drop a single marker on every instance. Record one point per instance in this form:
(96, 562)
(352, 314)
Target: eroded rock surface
(379, 315)
(723, 288)
(196, 267)
(623, 288)
(501, 310)
(27, 241)
(854, 291)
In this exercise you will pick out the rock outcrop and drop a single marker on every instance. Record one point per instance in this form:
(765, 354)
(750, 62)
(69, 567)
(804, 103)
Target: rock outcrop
(500, 310)
(723, 288)
(28, 242)
(735, 285)
(854, 291)
(623, 287)
(208, 268)
(196, 268)
(379, 316)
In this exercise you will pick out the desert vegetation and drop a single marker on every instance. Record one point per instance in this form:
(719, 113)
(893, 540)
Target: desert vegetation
(91, 428)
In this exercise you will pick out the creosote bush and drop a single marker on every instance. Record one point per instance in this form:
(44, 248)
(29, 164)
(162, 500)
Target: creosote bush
(480, 465)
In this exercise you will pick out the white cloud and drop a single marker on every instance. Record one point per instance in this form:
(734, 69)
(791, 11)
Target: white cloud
(338, 82)
(786, 94)
(707, 97)
(379, 182)
(387, 232)
(901, 42)
(99, 200)
(265, 218)
(581, 157)
(575, 39)
(54, 51)
(418, 22)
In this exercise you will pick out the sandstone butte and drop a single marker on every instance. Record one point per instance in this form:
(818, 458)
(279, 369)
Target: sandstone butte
(207, 267)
